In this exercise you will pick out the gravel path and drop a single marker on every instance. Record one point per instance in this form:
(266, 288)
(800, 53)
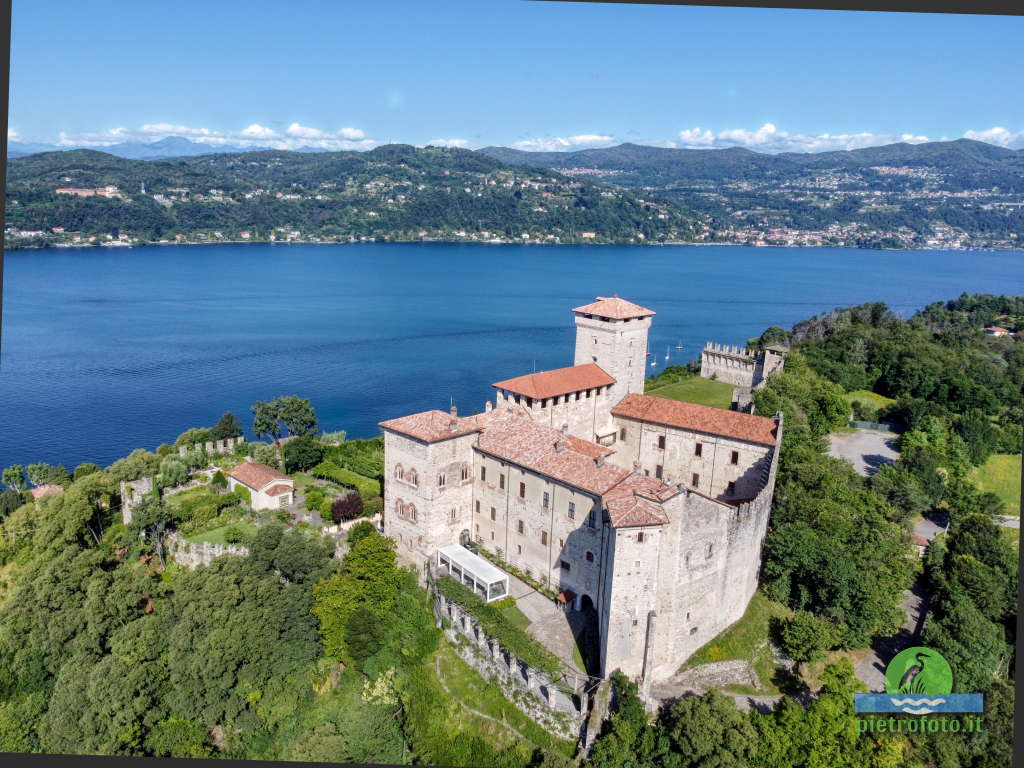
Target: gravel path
(865, 449)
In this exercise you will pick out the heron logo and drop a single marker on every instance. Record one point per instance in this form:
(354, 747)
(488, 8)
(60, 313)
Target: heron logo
(918, 681)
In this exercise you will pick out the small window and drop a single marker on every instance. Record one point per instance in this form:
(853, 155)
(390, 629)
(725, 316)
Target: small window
(661, 442)
(453, 514)
(501, 482)
(572, 510)
(529, 402)
(711, 549)
(478, 527)
(640, 537)
(544, 403)
(577, 395)
(636, 563)
(595, 339)
(492, 535)
(731, 489)
(440, 481)
(698, 449)
(735, 458)
(399, 472)
(413, 477)
(494, 514)
(635, 622)
(622, 434)
(695, 480)
(544, 538)
(565, 565)
(519, 549)
(547, 499)
(478, 507)
(590, 557)
(465, 473)
(521, 527)
(657, 471)
(592, 519)
(693, 630)
(522, 490)
(483, 473)
(594, 358)
(588, 391)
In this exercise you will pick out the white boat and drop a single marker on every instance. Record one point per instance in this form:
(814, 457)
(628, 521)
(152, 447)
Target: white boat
(679, 345)
(666, 353)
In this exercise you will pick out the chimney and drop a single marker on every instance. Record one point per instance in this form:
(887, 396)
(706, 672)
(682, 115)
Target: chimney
(453, 423)
(565, 430)
(454, 411)
(599, 460)
(636, 467)
(487, 407)
(559, 445)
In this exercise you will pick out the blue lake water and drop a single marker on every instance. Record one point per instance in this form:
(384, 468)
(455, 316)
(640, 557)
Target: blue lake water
(107, 350)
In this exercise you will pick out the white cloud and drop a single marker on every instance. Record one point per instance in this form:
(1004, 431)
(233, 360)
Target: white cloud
(999, 136)
(561, 143)
(768, 138)
(461, 143)
(12, 134)
(257, 131)
(253, 135)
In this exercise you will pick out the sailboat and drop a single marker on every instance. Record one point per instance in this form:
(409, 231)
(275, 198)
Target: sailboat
(666, 353)
(679, 345)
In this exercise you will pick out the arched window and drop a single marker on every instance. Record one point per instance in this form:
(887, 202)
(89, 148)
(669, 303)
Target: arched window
(441, 480)
(465, 472)
(399, 472)
(412, 512)
(399, 508)
(413, 477)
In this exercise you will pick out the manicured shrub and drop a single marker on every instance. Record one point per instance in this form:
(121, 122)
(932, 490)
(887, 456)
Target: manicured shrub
(327, 470)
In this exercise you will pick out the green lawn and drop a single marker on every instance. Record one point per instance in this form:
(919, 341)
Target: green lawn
(746, 639)
(216, 535)
(869, 398)
(697, 390)
(1001, 475)
(516, 617)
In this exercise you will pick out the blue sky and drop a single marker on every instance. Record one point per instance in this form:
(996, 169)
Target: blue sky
(536, 75)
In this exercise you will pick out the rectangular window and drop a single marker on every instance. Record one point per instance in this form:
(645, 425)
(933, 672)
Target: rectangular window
(494, 514)
(572, 511)
(698, 449)
(622, 434)
(529, 402)
(519, 549)
(565, 565)
(661, 442)
(640, 538)
(440, 481)
(547, 499)
(501, 482)
(544, 538)
(521, 526)
(735, 457)
(657, 471)
(492, 535)
(577, 395)
(478, 507)
(453, 514)
(590, 557)
(731, 489)
(544, 403)
(483, 473)
(522, 490)
(695, 480)
(591, 519)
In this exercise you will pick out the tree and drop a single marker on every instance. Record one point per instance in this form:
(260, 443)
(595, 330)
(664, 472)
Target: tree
(227, 427)
(10, 500)
(364, 634)
(360, 531)
(37, 473)
(219, 480)
(704, 730)
(173, 472)
(14, 477)
(264, 454)
(139, 463)
(298, 415)
(348, 507)
(57, 475)
(301, 454)
(266, 418)
(806, 637)
(84, 469)
(178, 737)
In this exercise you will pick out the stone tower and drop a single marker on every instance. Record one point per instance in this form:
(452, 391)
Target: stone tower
(612, 333)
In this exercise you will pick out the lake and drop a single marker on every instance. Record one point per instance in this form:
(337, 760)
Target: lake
(109, 349)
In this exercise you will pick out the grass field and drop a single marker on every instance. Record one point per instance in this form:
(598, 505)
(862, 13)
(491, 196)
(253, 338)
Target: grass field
(697, 390)
(1001, 475)
(468, 687)
(216, 535)
(515, 616)
(869, 398)
(746, 639)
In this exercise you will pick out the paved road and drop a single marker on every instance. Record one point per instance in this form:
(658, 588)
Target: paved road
(865, 449)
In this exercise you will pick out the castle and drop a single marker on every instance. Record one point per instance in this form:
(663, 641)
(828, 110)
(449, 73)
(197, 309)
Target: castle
(650, 512)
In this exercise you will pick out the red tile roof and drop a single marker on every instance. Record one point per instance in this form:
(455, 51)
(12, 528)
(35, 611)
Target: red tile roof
(637, 501)
(277, 490)
(431, 426)
(256, 475)
(560, 381)
(520, 440)
(45, 490)
(614, 308)
(698, 418)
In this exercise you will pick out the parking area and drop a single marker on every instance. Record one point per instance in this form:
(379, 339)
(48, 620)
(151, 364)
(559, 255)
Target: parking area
(865, 449)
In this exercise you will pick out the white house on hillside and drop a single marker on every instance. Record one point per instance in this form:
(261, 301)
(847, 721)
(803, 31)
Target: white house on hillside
(268, 488)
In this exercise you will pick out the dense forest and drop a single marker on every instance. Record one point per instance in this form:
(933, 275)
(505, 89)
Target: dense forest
(395, 192)
(300, 651)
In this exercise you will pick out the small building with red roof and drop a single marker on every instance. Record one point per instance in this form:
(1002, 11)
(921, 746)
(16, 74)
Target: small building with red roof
(267, 487)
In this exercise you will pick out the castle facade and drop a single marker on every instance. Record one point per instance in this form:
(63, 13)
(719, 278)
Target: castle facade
(649, 511)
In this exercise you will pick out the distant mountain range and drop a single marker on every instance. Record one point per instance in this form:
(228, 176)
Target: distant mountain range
(172, 146)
